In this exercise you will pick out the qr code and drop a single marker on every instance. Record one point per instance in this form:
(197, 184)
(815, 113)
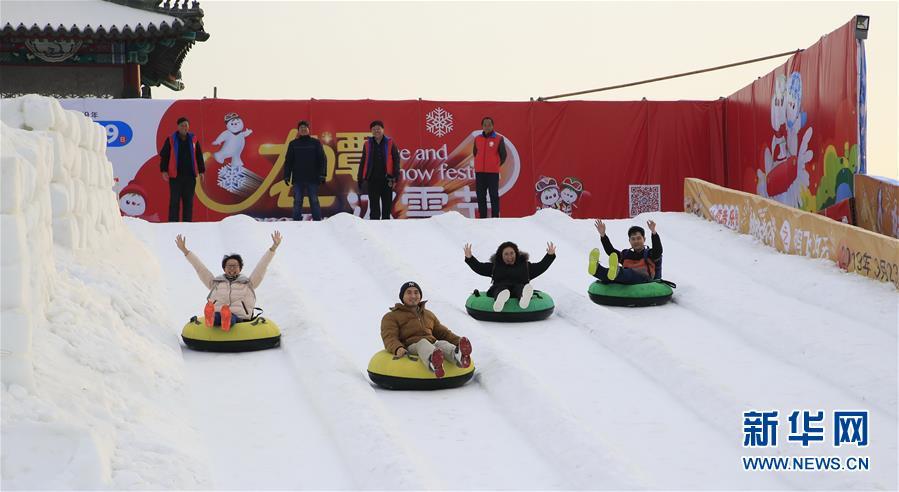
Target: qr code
(644, 198)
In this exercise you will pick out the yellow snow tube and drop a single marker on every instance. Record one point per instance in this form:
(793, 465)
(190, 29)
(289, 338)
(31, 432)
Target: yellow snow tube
(257, 334)
(408, 373)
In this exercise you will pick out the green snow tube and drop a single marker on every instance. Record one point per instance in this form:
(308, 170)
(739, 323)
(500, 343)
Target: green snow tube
(636, 295)
(480, 307)
(257, 334)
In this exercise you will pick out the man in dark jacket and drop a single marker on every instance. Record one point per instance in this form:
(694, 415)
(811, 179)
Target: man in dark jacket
(182, 171)
(378, 171)
(510, 273)
(638, 265)
(305, 167)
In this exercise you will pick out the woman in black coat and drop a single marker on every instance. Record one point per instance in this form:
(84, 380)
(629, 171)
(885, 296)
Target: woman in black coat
(510, 272)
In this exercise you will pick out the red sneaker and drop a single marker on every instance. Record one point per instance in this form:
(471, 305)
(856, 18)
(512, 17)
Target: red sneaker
(464, 349)
(209, 313)
(437, 363)
(226, 318)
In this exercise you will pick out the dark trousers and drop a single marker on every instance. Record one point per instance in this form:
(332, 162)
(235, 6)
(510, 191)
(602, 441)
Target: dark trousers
(299, 190)
(487, 183)
(380, 200)
(181, 192)
(218, 319)
(625, 276)
(514, 290)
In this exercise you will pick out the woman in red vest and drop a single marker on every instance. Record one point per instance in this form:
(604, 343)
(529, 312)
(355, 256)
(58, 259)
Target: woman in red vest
(489, 154)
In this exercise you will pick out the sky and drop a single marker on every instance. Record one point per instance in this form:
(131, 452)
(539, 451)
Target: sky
(512, 51)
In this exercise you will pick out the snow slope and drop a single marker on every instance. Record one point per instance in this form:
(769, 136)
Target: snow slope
(592, 398)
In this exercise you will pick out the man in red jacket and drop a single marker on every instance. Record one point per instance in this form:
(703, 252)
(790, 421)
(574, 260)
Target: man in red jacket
(489, 154)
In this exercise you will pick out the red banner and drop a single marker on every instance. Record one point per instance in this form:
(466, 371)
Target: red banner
(588, 159)
(793, 135)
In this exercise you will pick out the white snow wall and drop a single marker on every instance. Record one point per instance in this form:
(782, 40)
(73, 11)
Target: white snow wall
(56, 188)
(93, 378)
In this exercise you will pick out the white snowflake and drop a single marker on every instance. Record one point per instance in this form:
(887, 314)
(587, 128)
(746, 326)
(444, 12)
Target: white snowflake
(439, 122)
(232, 178)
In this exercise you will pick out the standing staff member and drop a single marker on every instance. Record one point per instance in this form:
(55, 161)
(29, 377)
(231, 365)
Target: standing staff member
(489, 154)
(181, 173)
(378, 170)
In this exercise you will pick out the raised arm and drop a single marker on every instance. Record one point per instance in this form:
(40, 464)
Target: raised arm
(604, 239)
(485, 269)
(656, 251)
(259, 272)
(536, 269)
(202, 272)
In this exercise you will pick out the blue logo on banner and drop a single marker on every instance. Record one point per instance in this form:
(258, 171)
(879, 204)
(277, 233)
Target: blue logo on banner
(118, 133)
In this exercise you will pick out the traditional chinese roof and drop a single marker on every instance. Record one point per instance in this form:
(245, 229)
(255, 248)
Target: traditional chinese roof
(175, 24)
(117, 19)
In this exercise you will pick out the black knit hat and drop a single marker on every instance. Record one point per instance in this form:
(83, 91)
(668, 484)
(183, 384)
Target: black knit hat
(408, 285)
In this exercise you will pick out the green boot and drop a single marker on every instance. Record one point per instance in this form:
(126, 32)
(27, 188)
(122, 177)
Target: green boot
(613, 266)
(593, 262)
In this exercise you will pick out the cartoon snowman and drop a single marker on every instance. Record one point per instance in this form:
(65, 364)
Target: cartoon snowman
(232, 140)
(571, 191)
(133, 203)
(548, 192)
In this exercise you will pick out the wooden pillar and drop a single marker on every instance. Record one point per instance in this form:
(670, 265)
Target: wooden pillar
(131, 79)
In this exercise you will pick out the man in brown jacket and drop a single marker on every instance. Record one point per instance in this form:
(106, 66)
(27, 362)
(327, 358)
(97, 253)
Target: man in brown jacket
(409, 327)
(232, 296)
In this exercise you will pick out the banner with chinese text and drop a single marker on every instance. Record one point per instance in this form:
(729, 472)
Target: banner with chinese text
(796, 232)
(588, 159)
(877, 204)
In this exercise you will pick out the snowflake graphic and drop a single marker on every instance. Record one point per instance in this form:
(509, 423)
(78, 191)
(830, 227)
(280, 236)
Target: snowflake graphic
(439, 122)
(231, 178)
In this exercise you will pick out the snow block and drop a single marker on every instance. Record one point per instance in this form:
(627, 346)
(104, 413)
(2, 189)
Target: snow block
(65, 232)
(61, 125)
(70, 153)
(11, 113)
(80, 204)
(14, 285)
(101, 138)
(88, 136)
(60, 201)
(13, 230)
(57, 145)
(38, 111)
(11, 184)
(74, 126)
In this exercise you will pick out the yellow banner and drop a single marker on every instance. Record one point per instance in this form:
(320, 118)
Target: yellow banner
(877, 205)
(794, 231)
